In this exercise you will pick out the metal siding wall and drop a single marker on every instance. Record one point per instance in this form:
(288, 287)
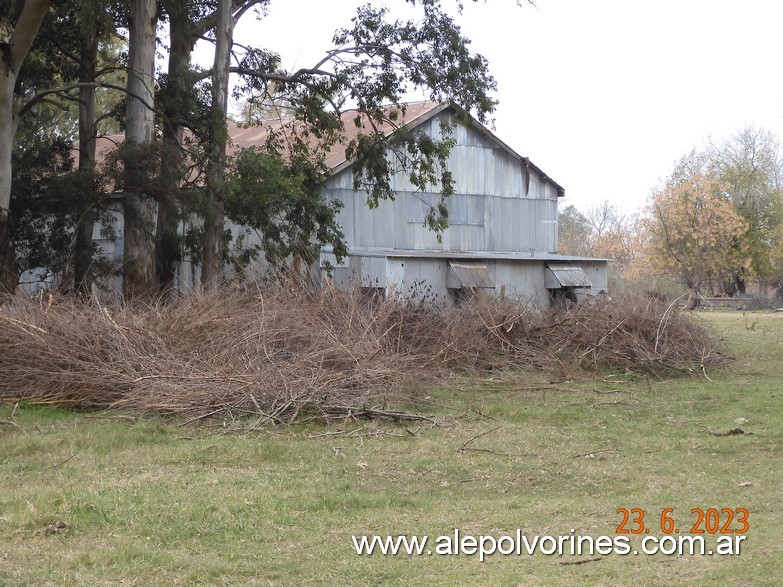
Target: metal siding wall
(505, 224)
(509, 176)
(395, 273)
(424, 278)
(524, 281)
(597, 272)
(488, 241)
(342, 180)
(373, 271)
(476, 206)
(490, 210)
(473, 169)
(536, 187)
(518, 239)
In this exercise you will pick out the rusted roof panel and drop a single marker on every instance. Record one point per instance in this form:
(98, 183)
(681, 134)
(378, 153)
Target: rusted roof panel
(256, 135)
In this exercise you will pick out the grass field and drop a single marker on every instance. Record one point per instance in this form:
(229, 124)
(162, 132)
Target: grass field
(91, 499)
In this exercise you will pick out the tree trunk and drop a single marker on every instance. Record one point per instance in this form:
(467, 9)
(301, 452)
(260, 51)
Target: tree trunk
(7, 132)
(739, 281)
(140, 209)
(212, 268)
(25, 31)
(694, 296)
(9, 273)
(88, 63)
(182, 38)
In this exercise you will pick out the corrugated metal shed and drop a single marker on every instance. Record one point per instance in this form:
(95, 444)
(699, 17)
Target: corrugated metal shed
(502, 234)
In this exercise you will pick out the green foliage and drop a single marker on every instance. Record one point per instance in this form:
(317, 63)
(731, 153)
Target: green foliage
(742, 216)
(48, 200)
(750, 165)
(184, 101)
(43, 201)
(373, 64)
(428, 53)
(692, 232)
(573, 232)
(281, 200)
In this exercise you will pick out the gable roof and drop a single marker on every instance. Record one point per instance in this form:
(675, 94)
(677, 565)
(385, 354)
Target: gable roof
(413, 115)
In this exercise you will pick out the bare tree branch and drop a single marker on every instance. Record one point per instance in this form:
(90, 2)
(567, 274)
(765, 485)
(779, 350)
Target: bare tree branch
(41, 95)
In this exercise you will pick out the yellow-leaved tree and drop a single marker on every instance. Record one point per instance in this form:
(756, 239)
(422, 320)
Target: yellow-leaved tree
(690, 231)
(603, 231)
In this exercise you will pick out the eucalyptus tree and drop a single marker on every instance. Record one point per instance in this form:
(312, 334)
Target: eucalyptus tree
(23, 20)
(371, 66)
(139, 207)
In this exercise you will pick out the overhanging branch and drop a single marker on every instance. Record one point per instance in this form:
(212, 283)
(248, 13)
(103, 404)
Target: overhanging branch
(39, 97)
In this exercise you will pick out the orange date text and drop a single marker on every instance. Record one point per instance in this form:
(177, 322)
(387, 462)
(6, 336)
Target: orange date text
(699, 521)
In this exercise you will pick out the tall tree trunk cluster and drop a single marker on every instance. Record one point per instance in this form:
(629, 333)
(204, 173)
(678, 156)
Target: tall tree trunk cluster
(434, 51)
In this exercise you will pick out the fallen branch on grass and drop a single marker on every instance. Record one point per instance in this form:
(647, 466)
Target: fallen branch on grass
(131, 419)
(735, 432)
(463, 448)
(592, 453)
(580, 562)
(61, 462)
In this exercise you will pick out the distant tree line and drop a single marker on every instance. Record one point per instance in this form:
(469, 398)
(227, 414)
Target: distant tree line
(715, 222)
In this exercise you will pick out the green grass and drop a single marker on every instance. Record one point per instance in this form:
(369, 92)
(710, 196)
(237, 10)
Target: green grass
(148, 502)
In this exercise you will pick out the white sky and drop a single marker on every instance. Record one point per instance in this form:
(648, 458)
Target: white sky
(603, 95)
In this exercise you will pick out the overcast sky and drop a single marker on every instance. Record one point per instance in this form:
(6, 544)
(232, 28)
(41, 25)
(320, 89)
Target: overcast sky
(603, 95)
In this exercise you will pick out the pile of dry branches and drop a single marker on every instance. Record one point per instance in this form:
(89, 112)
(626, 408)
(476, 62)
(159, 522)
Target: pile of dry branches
(285, 353)
(629, 332)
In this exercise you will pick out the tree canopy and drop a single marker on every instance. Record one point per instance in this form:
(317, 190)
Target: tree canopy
(375, 61)
(717, 219)
(691, 230)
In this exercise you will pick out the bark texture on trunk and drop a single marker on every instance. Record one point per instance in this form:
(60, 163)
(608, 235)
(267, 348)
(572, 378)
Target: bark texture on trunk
(139, 277)
(182, 38)
(85, 223)
(25, 31)
(212, 268)
(694, 297)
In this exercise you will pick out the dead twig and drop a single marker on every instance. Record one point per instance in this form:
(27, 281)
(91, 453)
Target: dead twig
(580, 562)
(336, 433)
(285, 353)
(595, 452)
(61, 462)
(735, 432)
(476, 437)
(131, 419)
